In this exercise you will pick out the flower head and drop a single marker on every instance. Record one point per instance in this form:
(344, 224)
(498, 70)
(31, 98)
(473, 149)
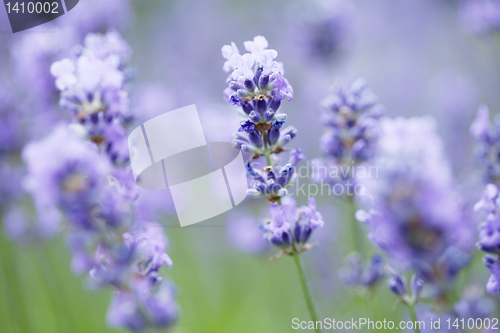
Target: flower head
(256, 82)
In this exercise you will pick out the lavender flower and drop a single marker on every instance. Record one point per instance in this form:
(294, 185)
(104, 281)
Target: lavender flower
(94, 189)
(289, 228)
(256, 85)
(397, 283)
(272, 182)
(493, 264)
(350, 116)
(417, 218)
(138, 309)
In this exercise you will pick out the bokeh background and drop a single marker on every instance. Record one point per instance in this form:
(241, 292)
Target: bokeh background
(421, 57)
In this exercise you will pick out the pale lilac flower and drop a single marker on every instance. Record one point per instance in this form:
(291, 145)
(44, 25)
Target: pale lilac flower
(277, 229)
(65, 170)
(256, 83)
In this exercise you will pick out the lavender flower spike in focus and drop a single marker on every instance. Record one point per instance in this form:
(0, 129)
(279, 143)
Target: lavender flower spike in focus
(257, 87)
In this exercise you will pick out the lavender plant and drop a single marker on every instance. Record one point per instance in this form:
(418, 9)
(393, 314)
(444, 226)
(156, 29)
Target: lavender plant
(257, 86)
(350, 115)
(416, 217)
(81, 171)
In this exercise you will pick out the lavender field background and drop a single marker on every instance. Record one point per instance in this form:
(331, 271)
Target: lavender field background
(435, 58)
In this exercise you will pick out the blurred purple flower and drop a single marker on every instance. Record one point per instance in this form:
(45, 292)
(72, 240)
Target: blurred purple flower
(65, 170)
(137, 309)
(350, 116)
(417, 218)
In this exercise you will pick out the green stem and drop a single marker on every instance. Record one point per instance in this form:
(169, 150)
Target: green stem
(413, 315)
(305, 289)
(267, 154)
(357, 233)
